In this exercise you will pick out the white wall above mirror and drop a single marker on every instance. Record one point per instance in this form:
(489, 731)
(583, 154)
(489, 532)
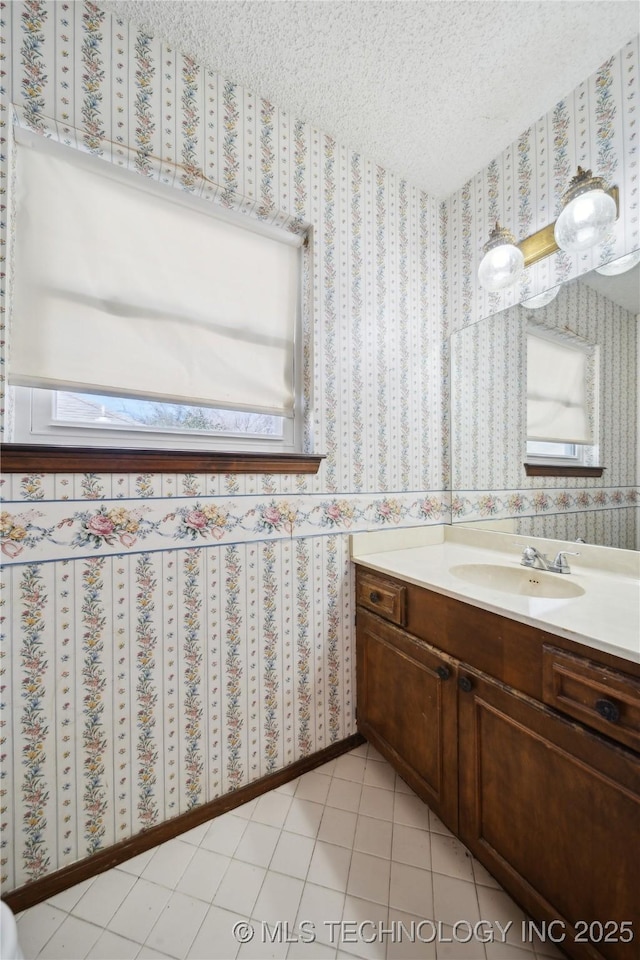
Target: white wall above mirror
(489, 416)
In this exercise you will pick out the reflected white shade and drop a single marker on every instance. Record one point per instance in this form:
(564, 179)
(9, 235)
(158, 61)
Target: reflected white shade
(501, 267)
(558, 409)
(585, 221)
(621, 265)
(541, 300)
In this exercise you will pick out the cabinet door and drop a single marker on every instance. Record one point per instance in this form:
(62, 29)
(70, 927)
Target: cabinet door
(544, 799)
(407, 708)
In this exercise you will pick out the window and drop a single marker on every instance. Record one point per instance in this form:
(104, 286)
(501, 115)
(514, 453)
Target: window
(565, 452)
(65, 417)
(562, 398)
(144, 316)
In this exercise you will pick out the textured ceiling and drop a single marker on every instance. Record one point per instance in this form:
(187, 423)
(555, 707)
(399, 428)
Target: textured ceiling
(431, 89)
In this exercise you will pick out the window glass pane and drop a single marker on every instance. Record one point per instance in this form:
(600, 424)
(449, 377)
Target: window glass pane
(540, 448)
(96, 410)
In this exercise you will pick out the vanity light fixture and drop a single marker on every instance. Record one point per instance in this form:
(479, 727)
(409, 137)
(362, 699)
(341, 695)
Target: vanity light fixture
(621, 265)
(588, 213)
(542, 299)
(590, 209)
(503, 262)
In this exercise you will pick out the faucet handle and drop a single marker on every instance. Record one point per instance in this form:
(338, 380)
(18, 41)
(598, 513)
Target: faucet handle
(526, 549)
(560, 565)
(529, 554)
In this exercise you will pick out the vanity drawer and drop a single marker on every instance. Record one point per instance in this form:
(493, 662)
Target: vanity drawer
(605, 699)
(384, 597)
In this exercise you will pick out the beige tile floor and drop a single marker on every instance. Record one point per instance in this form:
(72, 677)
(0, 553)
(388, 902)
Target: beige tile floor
(348, 848)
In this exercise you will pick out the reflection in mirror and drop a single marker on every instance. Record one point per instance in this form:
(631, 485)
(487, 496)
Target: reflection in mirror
(598, 314)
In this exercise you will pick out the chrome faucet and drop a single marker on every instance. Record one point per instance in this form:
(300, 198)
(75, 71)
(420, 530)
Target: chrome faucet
(560, 565)
(531, 557)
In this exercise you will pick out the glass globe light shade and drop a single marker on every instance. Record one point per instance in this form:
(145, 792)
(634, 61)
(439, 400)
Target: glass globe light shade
(621, 265)
(502, 263)
(541, 300)
(588, 215)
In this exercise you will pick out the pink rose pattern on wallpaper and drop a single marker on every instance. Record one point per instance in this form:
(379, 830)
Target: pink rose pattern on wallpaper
(473, 506)
(113, 529)
(178, 636)
(108, 527)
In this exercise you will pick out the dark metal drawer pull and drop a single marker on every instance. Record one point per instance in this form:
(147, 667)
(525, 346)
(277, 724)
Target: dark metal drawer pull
(465, 684)
(609, 710)
(443, 672)
(375, 597)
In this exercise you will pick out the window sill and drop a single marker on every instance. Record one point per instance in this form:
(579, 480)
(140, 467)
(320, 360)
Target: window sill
(561, 470)
(41, 458)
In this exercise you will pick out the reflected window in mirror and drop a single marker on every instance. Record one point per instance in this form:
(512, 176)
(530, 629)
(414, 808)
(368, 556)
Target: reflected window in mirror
(562, 397)
(571, 453)
(489, 419)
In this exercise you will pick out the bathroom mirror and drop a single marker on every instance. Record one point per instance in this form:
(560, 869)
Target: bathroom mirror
(489, 417)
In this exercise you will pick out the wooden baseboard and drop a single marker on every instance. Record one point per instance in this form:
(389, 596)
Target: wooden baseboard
(38, 890)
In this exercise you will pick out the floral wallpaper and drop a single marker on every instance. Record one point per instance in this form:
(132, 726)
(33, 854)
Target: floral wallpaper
(171, 637)
(595, 126)
(608, 528)
(61, 530)
(178, 675)
(488, 419)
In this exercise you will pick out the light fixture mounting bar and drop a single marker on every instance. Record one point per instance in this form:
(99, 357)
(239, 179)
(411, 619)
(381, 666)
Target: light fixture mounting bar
(542, 244)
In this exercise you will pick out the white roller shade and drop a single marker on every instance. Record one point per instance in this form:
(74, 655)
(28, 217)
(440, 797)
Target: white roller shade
(121, 287)
(557, 409)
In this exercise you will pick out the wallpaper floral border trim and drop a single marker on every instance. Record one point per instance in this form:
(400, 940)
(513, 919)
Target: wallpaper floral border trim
(194, 632)
(180, 635)
(144, 105)
(478, 505)
(56, 531)
(488, 396)
(116, 527)
(468, 505)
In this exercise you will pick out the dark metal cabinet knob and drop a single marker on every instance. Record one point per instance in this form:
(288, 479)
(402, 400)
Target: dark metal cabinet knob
(375, 597)
(465, 684)
(609, 710)
(443, 672)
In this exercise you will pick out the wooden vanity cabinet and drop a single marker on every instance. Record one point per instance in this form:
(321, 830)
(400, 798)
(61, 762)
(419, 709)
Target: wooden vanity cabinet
(408, 708)
(552, 810)
(490, 740)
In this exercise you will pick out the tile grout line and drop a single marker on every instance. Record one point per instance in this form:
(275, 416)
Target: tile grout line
(357, 778)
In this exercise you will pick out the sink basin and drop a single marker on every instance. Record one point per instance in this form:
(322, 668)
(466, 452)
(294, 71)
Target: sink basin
(520, 580)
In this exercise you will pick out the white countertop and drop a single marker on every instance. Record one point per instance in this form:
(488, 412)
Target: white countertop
(606, 617)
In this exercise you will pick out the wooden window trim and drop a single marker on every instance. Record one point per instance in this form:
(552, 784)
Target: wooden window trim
(561, 470)
(41, 458)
